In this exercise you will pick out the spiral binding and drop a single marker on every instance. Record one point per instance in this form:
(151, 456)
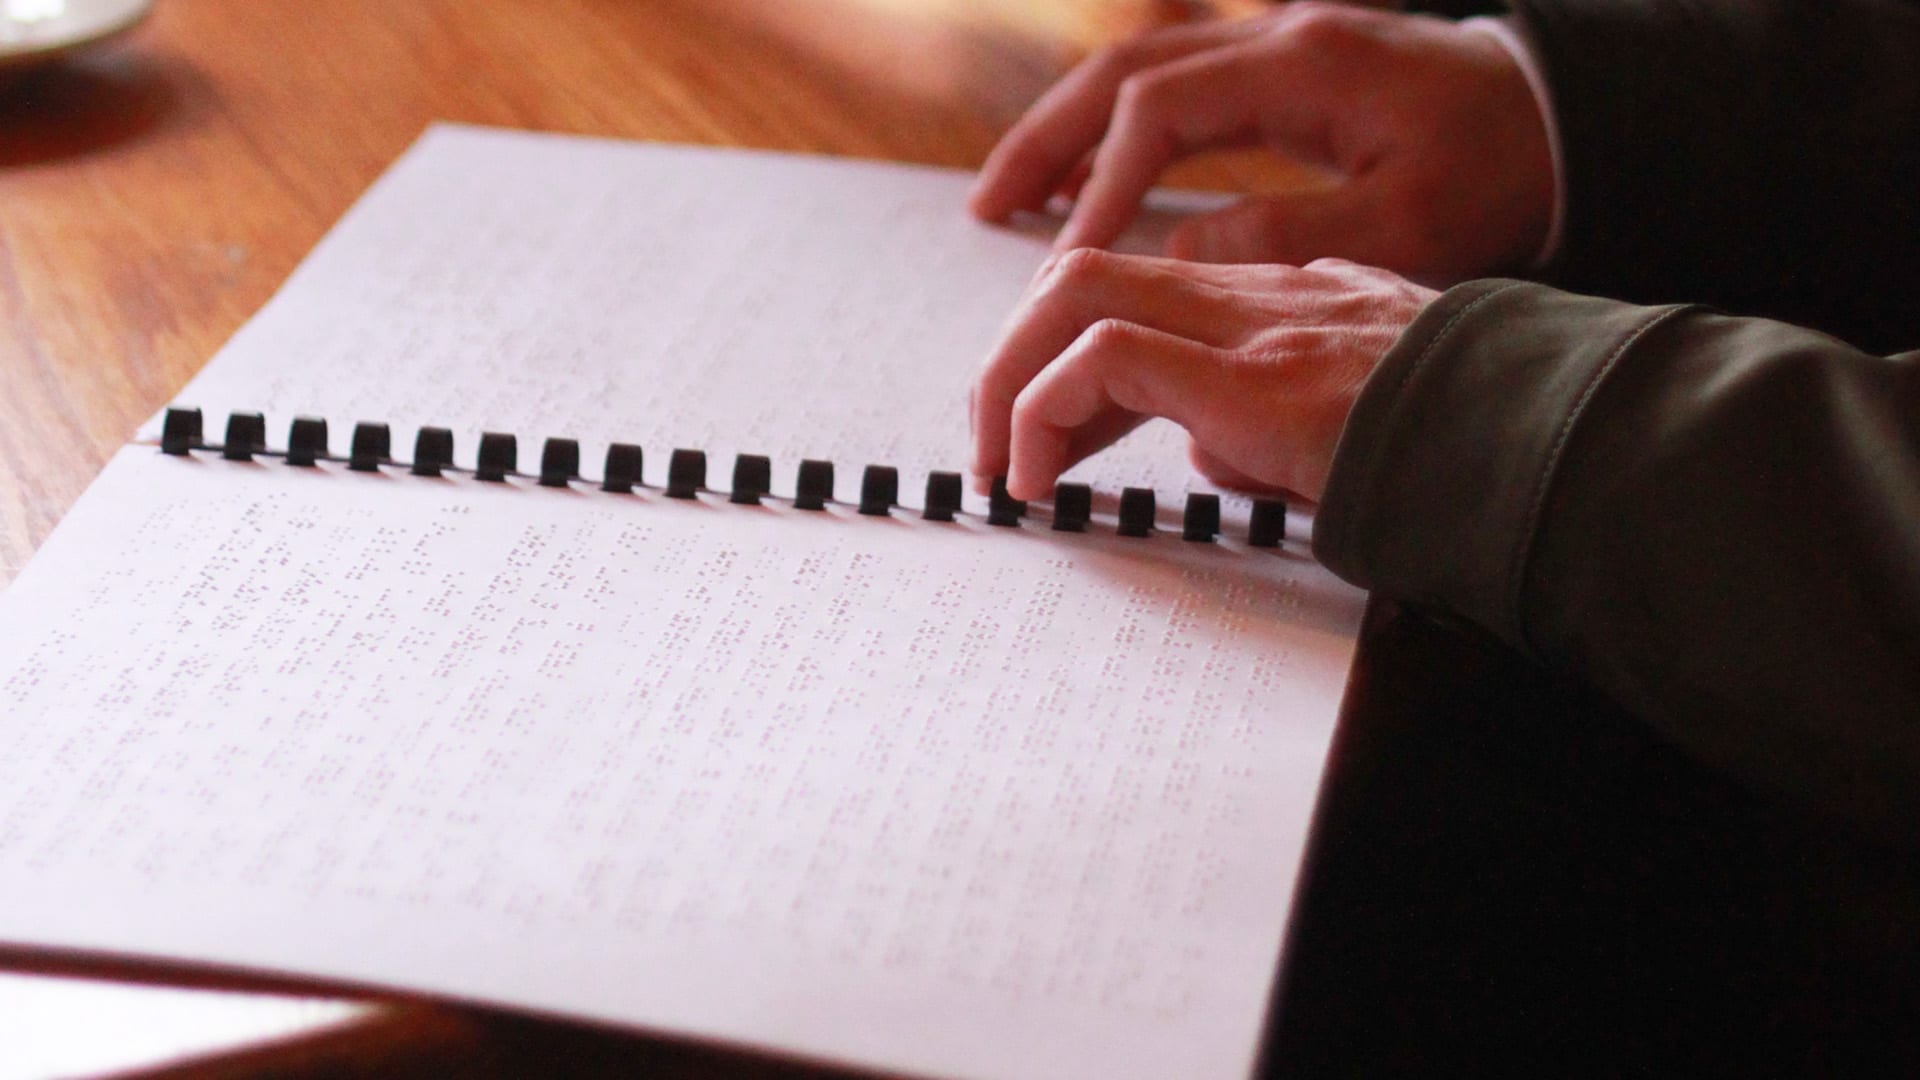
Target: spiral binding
(371, 448)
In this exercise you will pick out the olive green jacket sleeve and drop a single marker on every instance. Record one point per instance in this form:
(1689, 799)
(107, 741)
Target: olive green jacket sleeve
(1713, 520)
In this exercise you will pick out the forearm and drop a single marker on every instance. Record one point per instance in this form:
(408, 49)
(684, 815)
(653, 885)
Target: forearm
(1715, 521)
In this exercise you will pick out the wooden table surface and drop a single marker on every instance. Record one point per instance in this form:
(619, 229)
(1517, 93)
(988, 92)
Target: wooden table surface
(155, 193)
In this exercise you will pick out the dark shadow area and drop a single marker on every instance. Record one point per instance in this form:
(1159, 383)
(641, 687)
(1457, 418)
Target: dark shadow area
(1512, 877)
(81, 105)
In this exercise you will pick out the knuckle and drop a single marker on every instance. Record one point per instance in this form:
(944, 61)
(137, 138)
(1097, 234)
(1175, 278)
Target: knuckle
(1329, 264)
(1077, 267)
(1107, 335)
(1028, 411)
(1140, 94)
(1321, 27)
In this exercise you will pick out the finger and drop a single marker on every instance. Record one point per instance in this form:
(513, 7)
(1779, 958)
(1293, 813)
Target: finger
(1114, 375)
(1291, 89)
(1038, 154)
(1159, 116)
(1344, 221)
(1076, 178)
(1098, 434)
(1071, 292)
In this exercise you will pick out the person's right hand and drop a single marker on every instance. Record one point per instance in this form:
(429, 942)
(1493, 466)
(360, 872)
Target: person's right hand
(1441, 152)
(1260, 364)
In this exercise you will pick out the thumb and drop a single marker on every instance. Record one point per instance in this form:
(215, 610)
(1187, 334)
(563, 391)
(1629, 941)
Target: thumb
(1293, 229)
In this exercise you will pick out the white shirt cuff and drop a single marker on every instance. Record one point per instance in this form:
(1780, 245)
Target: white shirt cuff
(1502, 29)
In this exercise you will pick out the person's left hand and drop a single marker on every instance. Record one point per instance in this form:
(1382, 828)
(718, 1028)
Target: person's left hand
(1260, 364)
(1439, 152)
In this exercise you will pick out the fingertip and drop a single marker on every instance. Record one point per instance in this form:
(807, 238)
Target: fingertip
(984, 467)
(1025, 492)
(1023, 485)
(984, 202)
(1036, 458)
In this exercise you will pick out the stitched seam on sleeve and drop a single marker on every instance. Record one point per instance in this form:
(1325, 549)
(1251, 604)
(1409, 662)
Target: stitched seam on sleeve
(1426, 353)
(1523, 551)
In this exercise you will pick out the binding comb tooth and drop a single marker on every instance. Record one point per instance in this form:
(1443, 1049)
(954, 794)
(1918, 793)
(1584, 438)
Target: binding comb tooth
(246, 436)
(559, 462)
(752, 479)
(372, 447)
(180, 433)
(1267, 524)
(306, 441)
(1136, 512)
(1072, 506)
(432, 451)
(815, 486)
(1003, 509)
(1202, 522)
(879, 490)
(623, 468)
(943, 496)
(499, 455)
(686, 474)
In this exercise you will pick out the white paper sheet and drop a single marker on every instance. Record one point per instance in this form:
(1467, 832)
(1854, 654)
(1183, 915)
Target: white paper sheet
(946, 799)
(725, 300)
(939, 798)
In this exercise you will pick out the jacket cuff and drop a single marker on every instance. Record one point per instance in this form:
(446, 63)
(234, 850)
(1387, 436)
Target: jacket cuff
(1452, 447)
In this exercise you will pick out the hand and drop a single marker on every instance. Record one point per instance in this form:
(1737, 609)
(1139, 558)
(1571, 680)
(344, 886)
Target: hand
(1260, 364)
(1441, 154)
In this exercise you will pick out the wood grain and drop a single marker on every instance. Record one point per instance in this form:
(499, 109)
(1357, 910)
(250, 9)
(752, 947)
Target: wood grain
(155, 194)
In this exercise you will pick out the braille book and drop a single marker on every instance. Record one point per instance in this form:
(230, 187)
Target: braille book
(565, 595)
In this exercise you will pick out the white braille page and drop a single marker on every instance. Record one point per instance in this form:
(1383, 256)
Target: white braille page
(945, 799)
(666, 296)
